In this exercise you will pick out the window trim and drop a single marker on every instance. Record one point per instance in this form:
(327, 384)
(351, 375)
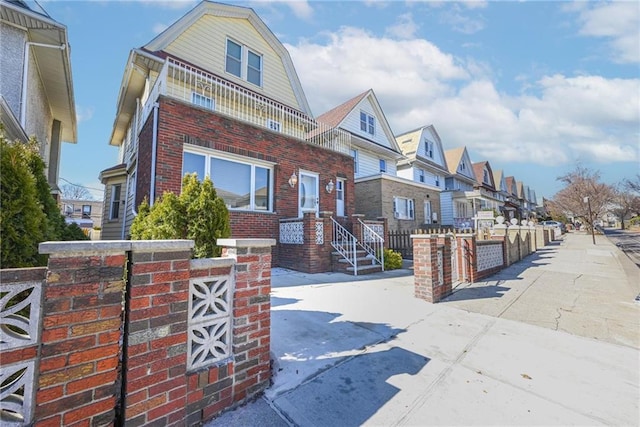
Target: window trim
(195, 96)
(368, 122)
(209, 154)
(114, 205)
(244, 62)
(410, 205)
(383, 165)
(421, 175)
(355, 157)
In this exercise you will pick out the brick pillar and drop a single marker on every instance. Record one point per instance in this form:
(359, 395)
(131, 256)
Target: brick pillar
(356, 229)
(156, 351)
(251, 316)
(78, 381)
(425, 252)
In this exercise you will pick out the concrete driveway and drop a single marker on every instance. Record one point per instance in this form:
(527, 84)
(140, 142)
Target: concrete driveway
(363, 351)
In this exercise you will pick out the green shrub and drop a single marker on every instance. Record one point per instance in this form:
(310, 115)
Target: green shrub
(29, 214)
(197, 214)
(392, 260)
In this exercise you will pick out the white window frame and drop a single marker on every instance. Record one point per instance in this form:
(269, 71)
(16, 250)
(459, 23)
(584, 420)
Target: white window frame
(244, 61)
(238, 159)
(408, 205)
(274, 125)
(427, 211)
(367, 123)
(114, 205)
(421, 177)
(354, 154)
(383, 165)
(203, 101)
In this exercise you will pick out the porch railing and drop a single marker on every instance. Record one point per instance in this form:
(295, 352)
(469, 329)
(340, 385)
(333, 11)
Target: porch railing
(372, 243)
(190, 84)
(345, 243)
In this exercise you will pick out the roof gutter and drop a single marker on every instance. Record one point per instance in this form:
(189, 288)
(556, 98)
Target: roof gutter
(25, 76)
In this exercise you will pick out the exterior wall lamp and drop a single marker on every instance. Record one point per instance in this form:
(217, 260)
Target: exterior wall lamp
(293, 180)
(330, 186)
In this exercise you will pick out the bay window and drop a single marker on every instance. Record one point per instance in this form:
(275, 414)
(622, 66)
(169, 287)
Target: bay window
(241, 183)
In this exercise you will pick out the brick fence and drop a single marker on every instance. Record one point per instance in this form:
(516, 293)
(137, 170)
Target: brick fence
(437, 258)
(135, 333)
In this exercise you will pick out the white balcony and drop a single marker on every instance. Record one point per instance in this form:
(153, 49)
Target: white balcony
(189, 84)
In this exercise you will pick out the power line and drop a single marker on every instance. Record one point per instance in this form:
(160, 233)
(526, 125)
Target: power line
(82, 186)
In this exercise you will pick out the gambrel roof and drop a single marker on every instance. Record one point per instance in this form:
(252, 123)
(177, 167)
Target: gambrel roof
(207, 7)
(340, 115)
(459, 163)
(412, 144)
(479, 169)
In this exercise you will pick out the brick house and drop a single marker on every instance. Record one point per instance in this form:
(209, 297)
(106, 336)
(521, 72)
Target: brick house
(375, 153)
(217, 94)
(36, 85)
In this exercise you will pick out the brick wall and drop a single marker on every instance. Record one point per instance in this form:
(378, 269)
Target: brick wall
(180, 123)
(103, 359)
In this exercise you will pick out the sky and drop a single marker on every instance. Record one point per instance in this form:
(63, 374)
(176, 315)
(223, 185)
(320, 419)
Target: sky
(536, 88)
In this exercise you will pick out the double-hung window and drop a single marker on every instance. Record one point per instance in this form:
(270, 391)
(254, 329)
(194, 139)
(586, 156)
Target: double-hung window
(367, 123)
(242, 184)
(244, 63)
(421, 175)
(383, 165)
(403, 208)
(114, 212)
(354, 154)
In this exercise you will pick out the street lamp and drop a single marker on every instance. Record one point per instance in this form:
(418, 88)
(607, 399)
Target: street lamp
(593, 234)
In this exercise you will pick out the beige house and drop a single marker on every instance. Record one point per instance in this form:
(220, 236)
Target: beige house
(457, 199)
(87, 214)
(36, 86)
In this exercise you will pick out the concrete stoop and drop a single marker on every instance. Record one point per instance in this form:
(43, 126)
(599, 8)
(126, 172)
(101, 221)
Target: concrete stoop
(366, 264)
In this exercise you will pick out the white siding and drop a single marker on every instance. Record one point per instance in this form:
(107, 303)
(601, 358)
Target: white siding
(407, 173)
(446, 208)
(352, 124)
(369, 164)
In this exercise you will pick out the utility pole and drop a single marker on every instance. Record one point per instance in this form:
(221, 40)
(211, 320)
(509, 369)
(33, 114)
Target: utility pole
(593, 234)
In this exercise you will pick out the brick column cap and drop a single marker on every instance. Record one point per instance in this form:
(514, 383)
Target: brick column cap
(246, 243)
(118, 246)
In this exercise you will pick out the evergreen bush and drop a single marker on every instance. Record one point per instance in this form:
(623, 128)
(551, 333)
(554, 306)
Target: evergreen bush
(29, 214)
(197, 214)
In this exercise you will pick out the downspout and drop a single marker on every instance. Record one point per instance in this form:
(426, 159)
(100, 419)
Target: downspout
(25, 76)
(154, 144)
(126, 203)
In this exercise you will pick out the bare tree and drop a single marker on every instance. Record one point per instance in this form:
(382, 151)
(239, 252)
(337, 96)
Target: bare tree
(580, 184)
(627, 199)
(75, 192)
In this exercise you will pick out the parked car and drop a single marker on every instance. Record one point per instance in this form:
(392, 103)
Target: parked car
(561, 225)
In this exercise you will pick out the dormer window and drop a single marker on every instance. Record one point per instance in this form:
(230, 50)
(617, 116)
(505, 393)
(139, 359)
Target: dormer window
(367, 123)
(485, 178)
(242, 62)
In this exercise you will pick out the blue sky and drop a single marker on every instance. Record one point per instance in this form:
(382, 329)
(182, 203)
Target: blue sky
(533, 87)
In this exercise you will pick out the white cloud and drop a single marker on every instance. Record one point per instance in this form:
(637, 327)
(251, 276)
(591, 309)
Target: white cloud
(159, 27)
(404, 28)
(618, 22)
(84, 114)
(461, 21)
(301, 8)
(171, 4)
(587, 117)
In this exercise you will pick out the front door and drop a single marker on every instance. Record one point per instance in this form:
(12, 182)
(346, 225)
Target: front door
(339, 197)
(308, 193)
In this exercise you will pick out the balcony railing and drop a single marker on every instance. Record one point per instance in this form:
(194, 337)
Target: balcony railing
(190, 84)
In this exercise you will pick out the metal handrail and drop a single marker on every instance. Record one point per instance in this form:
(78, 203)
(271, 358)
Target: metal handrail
(372, 243)
(345, 243)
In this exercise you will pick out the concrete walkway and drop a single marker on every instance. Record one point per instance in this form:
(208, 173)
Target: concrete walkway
(552, 340)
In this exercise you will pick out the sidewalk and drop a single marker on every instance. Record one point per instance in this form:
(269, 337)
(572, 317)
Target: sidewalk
(552, 340)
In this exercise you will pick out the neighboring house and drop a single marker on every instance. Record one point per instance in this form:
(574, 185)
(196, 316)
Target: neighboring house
(513, 204)
(36, 86)
(426, 167)
(457, 200)
(503, 194)
(486, 197)
(86, 213)
(375, 153)
(217, 94)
